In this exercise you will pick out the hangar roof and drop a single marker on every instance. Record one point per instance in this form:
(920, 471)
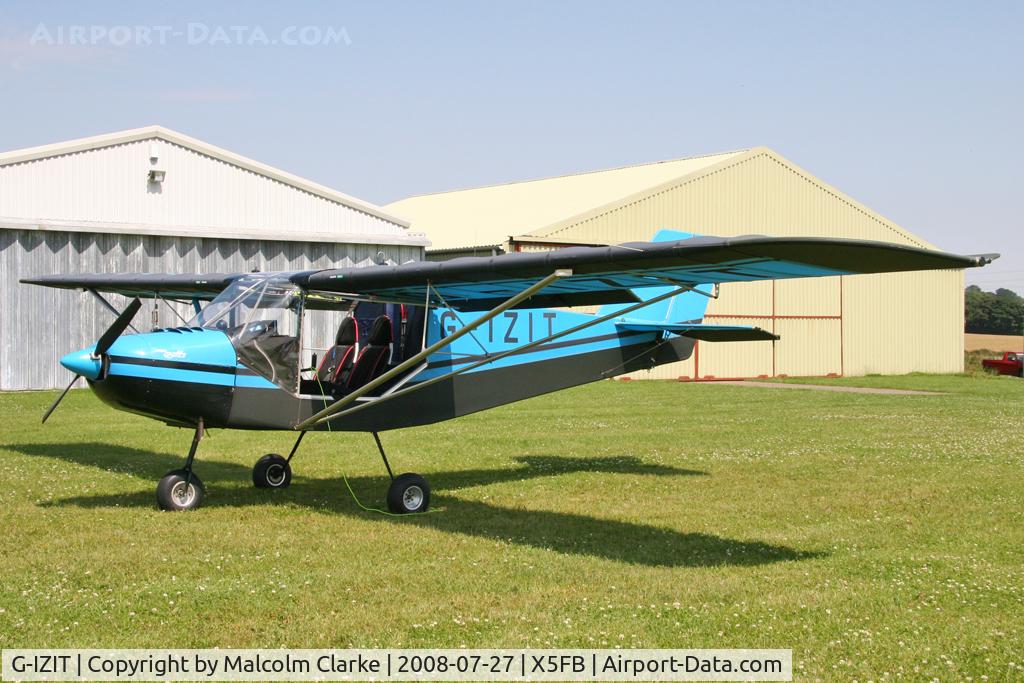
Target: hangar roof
(161, 133)
(259, 202)
(552, 210)
(493, 214)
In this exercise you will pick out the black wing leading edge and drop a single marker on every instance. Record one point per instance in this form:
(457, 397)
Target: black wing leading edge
(599, 274)
(604, 273)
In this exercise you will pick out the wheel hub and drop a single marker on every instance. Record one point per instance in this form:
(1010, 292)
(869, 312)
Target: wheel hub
(413, 497)
(275, 475)
(183, 494)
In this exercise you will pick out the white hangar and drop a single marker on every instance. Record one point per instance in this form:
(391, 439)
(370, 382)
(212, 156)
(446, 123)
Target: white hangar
(154, 200)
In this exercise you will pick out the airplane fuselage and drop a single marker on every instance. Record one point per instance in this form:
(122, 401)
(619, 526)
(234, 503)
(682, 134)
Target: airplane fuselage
(183, 374)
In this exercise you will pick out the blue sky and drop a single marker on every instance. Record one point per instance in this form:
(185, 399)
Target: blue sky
(914, 108)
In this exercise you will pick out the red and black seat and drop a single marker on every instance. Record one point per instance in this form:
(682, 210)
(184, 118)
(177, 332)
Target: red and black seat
(373, 358)
(337, 363)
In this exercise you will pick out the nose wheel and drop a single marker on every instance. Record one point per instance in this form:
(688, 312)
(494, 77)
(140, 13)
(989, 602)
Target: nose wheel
(182, 489)
(179, 490)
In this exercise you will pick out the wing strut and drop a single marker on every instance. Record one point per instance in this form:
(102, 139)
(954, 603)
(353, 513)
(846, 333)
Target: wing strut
(109, 307)
(429, 351)
(519, 349)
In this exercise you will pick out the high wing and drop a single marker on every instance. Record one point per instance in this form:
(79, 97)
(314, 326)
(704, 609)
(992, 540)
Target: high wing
(592, 274)
(601, 273)
(144, 285)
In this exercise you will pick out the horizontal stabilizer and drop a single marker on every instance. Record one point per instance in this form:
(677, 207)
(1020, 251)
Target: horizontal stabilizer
(710, 333)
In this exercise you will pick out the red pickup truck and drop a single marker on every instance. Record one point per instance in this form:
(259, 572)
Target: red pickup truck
(1010, 364)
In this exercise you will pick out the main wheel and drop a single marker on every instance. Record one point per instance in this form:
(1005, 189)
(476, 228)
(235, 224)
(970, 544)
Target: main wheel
(408, 493)
(178, 491)
(271, 472)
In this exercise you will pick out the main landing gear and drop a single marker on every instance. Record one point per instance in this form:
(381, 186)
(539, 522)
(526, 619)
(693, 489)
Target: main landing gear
(273, 471)
(408, 493)
(182, 490)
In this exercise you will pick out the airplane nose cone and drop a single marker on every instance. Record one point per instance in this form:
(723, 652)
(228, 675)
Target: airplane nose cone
(82, 363)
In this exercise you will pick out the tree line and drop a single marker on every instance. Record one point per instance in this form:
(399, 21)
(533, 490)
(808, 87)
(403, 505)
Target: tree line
(998, 312)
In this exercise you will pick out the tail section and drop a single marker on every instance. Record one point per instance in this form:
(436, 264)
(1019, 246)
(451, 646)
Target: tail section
(688, 307)
(682, 314)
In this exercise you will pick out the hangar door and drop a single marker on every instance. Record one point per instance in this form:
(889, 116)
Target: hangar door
(807, 314)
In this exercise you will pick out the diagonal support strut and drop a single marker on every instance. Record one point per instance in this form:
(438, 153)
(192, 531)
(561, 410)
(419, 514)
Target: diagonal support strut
(413, 361)
(519, 349)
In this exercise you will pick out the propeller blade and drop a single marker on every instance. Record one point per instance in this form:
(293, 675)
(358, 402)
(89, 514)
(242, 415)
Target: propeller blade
(119, 326)
(53, 406)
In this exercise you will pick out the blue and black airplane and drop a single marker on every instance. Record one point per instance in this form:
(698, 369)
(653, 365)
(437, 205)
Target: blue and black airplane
(439, 339)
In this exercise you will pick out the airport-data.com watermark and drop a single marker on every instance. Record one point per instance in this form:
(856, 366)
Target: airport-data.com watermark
(192, 33)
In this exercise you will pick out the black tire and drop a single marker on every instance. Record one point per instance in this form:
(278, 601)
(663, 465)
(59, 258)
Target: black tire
(272, 472)
(174, 494)
(408, 493)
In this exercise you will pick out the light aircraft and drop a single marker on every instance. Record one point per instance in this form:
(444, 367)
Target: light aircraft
(440, 339)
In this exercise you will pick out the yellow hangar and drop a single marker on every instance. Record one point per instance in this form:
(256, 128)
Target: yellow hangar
(849, 325)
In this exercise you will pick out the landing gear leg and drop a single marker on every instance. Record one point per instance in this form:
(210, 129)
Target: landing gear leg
(296, 446)
(383, 455)
(182, 489)
(408, 492)
(274, 472)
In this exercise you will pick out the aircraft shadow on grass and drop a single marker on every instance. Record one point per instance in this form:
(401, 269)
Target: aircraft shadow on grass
(561, 532)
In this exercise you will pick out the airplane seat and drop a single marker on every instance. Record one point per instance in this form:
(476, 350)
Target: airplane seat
(339, 359)
(412, 341)
(373, 359)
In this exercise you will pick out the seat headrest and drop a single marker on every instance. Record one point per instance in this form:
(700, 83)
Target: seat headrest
(347, 333)
(381, 334)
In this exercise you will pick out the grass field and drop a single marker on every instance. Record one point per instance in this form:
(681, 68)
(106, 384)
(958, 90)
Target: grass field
(993, 342)
(879, 536)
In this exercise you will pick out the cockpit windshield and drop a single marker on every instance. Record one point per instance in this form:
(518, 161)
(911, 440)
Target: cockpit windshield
(262, 316)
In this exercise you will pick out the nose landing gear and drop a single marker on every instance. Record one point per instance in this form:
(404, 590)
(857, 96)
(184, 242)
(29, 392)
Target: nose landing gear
(182, 489)
(179, 490)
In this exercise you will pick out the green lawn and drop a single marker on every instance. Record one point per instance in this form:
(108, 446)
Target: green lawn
(878, 536)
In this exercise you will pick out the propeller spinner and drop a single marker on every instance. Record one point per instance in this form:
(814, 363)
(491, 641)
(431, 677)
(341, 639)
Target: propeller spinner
(89, 364)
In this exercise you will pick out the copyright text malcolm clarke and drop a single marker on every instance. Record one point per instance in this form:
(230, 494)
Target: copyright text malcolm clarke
(398, 665)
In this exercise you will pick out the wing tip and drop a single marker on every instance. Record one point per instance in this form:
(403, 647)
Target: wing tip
(43, 281)
(983, 259)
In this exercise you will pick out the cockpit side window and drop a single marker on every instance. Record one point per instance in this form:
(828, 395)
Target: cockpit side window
(261, 315)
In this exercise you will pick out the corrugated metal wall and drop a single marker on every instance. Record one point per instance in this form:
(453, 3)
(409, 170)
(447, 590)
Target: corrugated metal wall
(109, 184)
(38, 325)
(904, 322)
(908, 322)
